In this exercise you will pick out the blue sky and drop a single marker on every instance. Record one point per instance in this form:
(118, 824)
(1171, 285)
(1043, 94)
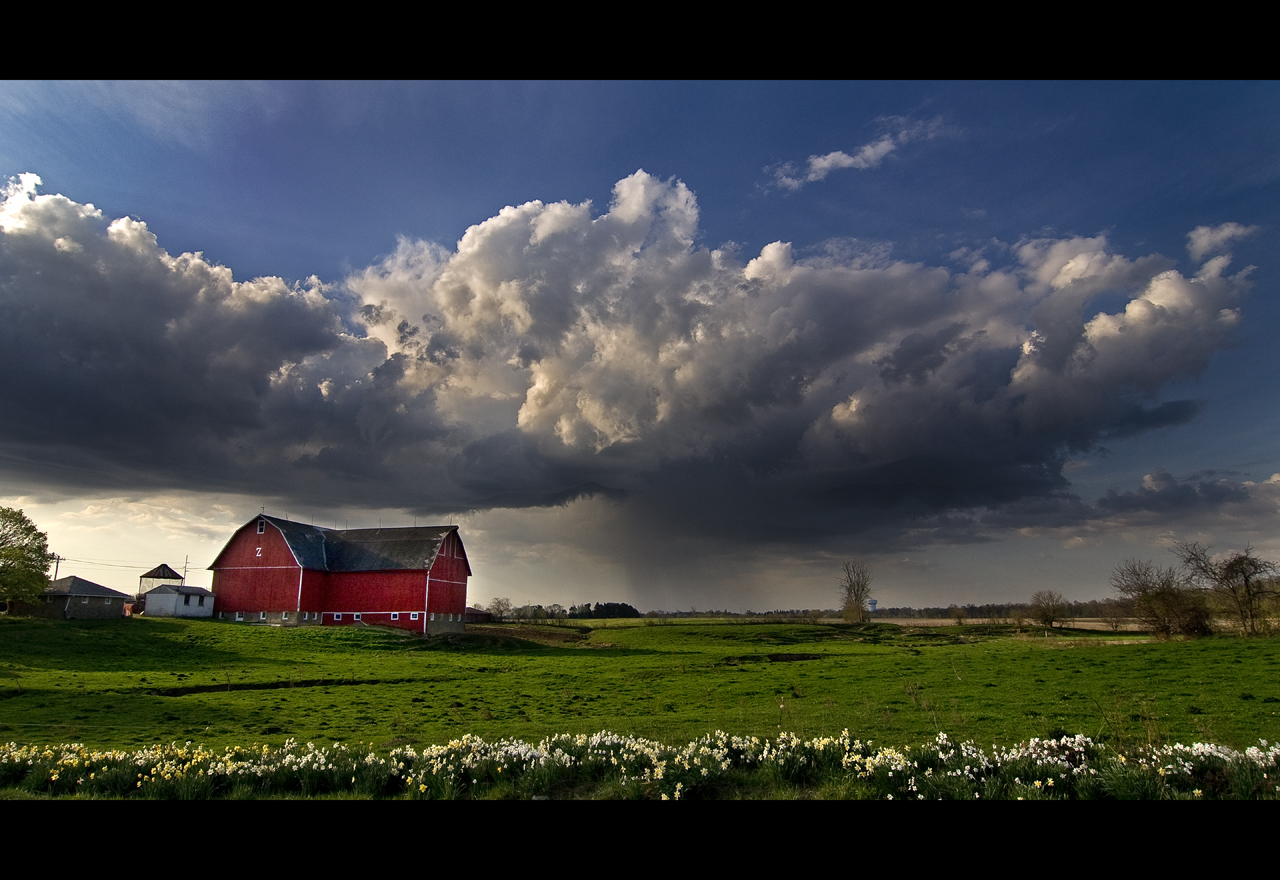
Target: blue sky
(827, 319)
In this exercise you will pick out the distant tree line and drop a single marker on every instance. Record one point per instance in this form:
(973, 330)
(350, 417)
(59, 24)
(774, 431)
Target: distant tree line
(1011, 611)
(503, 609)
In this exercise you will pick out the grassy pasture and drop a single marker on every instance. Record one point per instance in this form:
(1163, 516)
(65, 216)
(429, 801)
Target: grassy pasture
(136, 682)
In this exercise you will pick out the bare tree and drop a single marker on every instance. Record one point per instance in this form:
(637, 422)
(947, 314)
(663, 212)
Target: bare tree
(1161, 598)
(1113, 614)
(1048, 606)
(1244, 581)
(500, 608)
(855, 590)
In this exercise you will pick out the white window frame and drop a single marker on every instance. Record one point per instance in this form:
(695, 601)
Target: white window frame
(239, 615)
(262, 526)
(262, 615)
(337, 616)
(395, 615)
(413, 615)
(356, 616)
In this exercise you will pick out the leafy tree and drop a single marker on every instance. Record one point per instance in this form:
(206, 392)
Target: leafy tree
(1048, 606)
(24, 558)
(855, 590)
(603, 610)
(1243, 580)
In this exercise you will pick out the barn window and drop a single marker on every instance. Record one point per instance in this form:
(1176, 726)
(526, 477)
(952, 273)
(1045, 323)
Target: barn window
(262, 526)
(337, 617)
(239, 615)
(395, 615)
(413, 615)
(262, 615)
(356, 615)
(284, 615)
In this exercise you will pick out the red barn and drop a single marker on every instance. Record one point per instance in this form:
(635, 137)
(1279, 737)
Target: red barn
(276, 571)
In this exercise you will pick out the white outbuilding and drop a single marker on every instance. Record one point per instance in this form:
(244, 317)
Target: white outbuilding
(179, 601)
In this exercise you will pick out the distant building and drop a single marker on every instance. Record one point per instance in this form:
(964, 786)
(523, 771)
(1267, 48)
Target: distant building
(74, 598)
(179, 601)
(475, 615)
(281, 572)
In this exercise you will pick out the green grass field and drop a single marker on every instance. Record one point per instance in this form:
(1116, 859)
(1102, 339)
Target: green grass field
(137, 682)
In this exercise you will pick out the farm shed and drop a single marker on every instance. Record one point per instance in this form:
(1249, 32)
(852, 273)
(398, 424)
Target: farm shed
(281, 572)
(74, 598)
(179, 600)
(161, 575)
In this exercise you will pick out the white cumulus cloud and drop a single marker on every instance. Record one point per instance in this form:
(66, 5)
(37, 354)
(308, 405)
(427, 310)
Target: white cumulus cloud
(559, 351)
(1205, 240)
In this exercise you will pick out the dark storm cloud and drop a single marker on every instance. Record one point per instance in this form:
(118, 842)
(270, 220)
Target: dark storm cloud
(1162, 493)
(555, 354)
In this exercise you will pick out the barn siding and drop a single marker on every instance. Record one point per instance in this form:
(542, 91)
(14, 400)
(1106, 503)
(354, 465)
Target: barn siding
(256, 573)
(375, 591)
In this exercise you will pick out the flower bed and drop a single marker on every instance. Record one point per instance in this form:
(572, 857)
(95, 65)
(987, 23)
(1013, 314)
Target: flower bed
(608, 765)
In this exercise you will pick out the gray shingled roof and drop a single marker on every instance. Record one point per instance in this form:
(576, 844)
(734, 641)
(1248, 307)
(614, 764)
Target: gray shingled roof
(321, 549)
(306, 542)
(78, 586)
(181, 590)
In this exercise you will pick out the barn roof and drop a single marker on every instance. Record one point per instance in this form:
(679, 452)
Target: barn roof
(164, 572)
(384, 549)
(78, 586)
(348, 550)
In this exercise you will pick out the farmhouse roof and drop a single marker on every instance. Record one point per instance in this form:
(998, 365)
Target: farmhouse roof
(78, 586)
(349, 550)
(181, 590)
(164, 572)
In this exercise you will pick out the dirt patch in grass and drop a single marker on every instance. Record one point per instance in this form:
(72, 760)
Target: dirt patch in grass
(543, 635)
